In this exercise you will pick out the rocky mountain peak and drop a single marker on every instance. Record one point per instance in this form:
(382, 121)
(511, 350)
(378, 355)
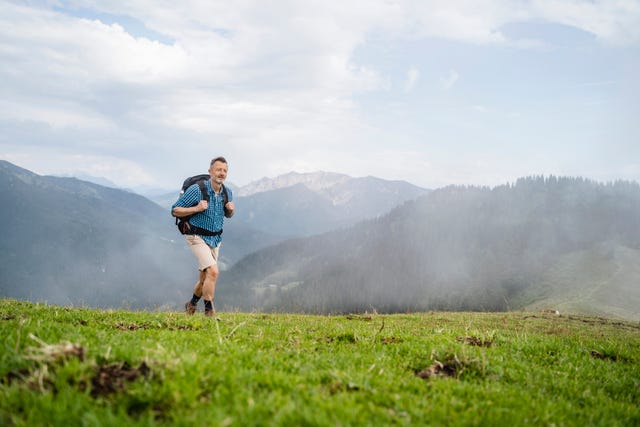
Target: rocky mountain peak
(315, 181)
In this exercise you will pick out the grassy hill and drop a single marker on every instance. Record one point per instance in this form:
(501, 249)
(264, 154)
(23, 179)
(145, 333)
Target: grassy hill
(602, 281)
(64, 366)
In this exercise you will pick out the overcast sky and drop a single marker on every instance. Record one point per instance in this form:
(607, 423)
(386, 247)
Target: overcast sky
(431, 92)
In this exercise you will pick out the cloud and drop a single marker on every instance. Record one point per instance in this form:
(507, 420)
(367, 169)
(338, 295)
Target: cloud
(448, 82)
(615, 22)
(264, 82)
(481, 109)
(412, 78)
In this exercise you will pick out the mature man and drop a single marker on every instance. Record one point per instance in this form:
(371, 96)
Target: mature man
(206, 225)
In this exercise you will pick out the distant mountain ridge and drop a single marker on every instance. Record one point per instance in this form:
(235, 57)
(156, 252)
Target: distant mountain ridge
(69, 241)
(298, 204)
(91, 178)
(302, 204)
(462, 248)
(66, 240)
(541, 243)
(315, 181)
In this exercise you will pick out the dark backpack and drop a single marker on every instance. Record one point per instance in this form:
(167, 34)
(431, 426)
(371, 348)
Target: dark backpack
(183, 223)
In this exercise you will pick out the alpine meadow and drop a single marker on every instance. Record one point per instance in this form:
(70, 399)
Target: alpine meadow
(512, 305)
(299, 213)
(77, 366)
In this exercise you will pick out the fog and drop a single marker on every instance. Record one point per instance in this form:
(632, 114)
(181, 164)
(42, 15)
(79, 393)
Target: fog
(539, 243)
(462, 248)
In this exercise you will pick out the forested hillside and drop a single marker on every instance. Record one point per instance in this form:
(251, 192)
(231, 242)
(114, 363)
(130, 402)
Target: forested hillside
(68, 241)
(560, 243)
(458, 248)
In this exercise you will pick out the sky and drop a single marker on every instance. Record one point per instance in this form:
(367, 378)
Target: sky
(434, 92)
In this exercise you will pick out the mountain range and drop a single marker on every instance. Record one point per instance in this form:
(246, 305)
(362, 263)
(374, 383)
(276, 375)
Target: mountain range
(69, 241)
(303, 204)
(552, 243)
(559, 243)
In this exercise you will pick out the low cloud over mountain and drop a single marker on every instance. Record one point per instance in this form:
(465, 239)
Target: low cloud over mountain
(543, 243)
(559, 242)
(68, 241)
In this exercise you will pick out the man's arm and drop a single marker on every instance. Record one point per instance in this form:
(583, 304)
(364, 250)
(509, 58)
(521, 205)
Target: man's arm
(180, 212)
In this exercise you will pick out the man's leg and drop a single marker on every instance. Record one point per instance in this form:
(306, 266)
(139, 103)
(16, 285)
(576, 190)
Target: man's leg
(197, 289)
(191, 306)
(209, 289)
(208, 264)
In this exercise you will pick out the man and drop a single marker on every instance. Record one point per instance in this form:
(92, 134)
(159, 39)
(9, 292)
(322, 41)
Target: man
(207, 219)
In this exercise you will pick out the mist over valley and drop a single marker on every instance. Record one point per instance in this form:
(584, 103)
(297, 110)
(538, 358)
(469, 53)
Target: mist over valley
(542, 243)
(329, 243)
(72, 242)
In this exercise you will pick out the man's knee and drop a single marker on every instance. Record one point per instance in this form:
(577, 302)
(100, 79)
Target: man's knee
(211, 272)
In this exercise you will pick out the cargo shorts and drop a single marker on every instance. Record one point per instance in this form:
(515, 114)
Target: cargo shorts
(205, 254)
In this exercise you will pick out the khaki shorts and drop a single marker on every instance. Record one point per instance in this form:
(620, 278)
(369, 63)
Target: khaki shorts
(205, 254)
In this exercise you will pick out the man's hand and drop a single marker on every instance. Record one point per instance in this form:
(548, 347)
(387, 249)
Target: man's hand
(202, 206)
(229, 207)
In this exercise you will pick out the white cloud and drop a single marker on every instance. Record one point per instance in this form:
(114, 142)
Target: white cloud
(265, 81)
(481, 109)
(450, 80)
(471, 21)
(613, 21)
(127, 173)
(412, 78)
(69, 48)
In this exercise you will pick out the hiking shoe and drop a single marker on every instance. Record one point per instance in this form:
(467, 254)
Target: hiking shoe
(211, 313)
(189, 308)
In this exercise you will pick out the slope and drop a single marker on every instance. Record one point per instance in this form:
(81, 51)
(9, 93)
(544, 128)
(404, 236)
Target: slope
(600, 281)
(68, 241)
(456, 248)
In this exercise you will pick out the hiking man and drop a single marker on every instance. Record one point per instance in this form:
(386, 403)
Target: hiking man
(205, 236)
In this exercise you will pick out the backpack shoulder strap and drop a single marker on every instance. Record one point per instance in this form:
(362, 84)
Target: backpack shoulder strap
(225, 200)
(225, 195)
(203, 190)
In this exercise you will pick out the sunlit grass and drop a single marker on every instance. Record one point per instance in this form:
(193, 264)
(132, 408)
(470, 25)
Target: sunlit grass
(63, 366)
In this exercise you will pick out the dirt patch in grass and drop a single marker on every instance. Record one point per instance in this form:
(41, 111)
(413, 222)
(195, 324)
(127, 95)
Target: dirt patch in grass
(129, 327)
(450, 366)
(19, 375)
(609, 356)
(113, 377)
(342, 338)
(107, 378)
(143, 326)
(475, 341)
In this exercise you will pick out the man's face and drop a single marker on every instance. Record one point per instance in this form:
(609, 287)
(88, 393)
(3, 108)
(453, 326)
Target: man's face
(218, 172)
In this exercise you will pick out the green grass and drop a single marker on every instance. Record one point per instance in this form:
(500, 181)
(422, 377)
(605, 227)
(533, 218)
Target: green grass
(69, 366)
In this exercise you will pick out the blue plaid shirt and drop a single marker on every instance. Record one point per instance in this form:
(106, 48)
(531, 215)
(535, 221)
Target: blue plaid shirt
(213, 218)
